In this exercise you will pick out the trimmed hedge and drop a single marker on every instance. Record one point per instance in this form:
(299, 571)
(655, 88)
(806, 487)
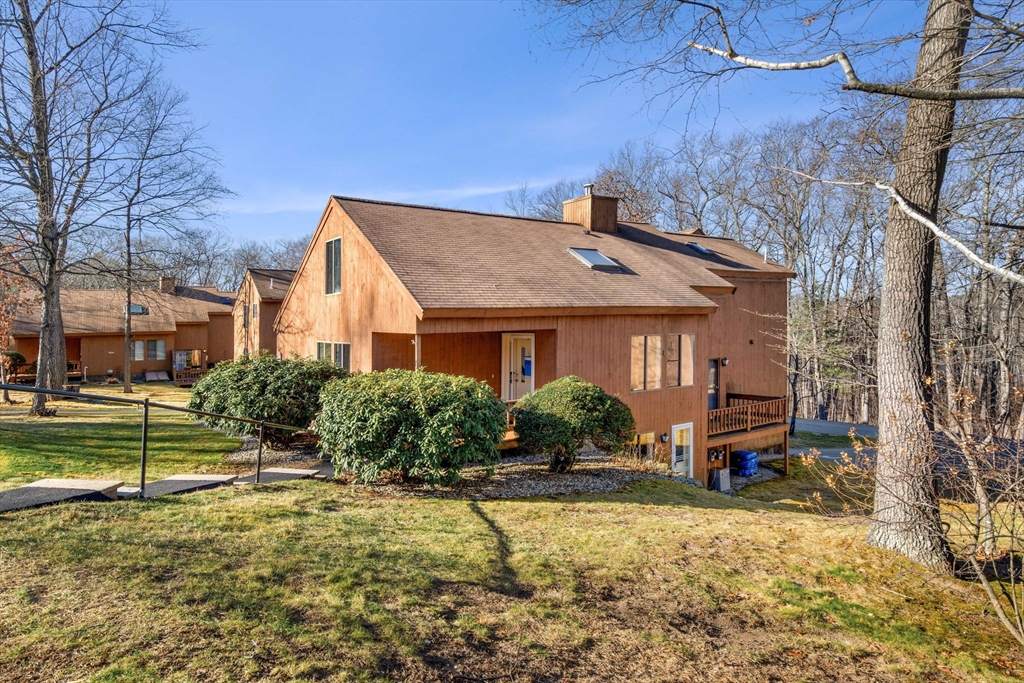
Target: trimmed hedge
(562, 415)
(264, 387)
(419, 424)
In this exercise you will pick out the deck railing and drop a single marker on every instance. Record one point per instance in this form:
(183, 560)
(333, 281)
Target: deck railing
(188, 377)
(745, 412)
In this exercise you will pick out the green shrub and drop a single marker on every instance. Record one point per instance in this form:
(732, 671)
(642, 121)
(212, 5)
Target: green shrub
(264, 387)
(561, 416)
(12, 360)
(414, 423)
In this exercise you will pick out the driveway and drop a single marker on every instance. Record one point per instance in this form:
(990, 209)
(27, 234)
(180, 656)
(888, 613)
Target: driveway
(836, 428)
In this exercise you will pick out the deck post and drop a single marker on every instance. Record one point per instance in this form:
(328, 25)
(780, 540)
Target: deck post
(785, 450)
(748, 417)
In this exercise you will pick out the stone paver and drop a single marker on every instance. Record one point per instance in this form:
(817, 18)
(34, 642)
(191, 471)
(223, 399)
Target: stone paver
(52, 491)
(187, 483)
(272, 475)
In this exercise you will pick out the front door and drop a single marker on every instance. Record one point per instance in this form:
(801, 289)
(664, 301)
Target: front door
(518, 371)
(682, 449)
(713, 383)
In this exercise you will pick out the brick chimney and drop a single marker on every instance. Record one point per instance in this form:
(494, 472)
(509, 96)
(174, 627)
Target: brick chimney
(167, 285)
(593, 212)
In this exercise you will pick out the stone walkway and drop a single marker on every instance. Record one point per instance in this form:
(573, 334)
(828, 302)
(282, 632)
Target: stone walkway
(53, 491)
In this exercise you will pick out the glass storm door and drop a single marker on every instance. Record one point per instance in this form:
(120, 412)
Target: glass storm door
(682, 449)
(519, 370)
(713, 383)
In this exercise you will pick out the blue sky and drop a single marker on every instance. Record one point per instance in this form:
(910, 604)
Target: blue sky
(447, 103)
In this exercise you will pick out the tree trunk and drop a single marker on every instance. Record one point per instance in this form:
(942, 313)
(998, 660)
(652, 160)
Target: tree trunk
(128, 305)
(52, 365)
(906, 513)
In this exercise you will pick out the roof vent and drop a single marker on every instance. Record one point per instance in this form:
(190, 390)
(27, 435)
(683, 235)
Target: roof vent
(595, 260)
(588, 189)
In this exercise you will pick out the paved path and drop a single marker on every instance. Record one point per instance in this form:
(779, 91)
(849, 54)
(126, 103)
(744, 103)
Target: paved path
(52, 491)
(836, 428)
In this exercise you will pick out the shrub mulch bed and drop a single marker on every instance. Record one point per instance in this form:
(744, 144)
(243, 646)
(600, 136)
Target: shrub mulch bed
(525, 476)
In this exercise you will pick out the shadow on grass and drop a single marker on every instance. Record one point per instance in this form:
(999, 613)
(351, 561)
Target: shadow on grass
(663, 492)
(506, 581)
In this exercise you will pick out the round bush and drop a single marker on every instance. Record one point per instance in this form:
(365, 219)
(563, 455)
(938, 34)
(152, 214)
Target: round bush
(264, 387)
(12, 360)
(561, 416)
(413, 423)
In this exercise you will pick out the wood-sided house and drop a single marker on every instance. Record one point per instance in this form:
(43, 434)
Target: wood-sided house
(175, 329)
(256, 306)
(687, 329)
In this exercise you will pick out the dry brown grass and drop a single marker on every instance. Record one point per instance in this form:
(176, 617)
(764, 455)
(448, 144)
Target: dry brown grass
(311, 581)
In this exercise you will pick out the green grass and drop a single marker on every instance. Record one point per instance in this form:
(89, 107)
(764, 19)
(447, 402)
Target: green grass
(807, 441)
(162, 392)
(315, 581)
(106, 446)
(803, 489)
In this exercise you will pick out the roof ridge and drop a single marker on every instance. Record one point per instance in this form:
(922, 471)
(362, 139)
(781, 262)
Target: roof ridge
(445, 208)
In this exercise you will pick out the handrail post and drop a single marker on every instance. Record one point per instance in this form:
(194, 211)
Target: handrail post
(259, 454)
(748, 416)
(145, 447)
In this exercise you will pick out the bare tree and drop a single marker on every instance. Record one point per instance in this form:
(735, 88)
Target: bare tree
(169, 185)
(71, 76)
(546, 203)
(964, 51)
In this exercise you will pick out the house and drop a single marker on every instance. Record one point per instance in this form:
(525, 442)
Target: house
(179, 330)
(687, 329)
(256, 306)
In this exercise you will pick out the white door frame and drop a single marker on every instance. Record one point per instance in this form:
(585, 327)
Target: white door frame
(506, 361)
(672, 436)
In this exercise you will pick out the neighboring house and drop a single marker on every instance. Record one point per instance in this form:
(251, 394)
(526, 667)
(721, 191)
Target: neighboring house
(688, 330)
(256, 306)
(179, 330)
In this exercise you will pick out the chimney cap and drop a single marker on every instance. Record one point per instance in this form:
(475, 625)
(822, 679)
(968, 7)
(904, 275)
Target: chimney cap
(588, 188)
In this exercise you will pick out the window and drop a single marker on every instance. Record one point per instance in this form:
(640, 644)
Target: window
(646, 445)
(679, 360)
(645, 362)
(341, 355)
(156, 349)
(255, 311)
(700, 249)
(245, 317)
(332, 275)
(136, 309)
(138, 350)
(594, 259)
(334, 351)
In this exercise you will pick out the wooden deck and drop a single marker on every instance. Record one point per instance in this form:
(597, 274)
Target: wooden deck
(74, 372)
(187, 378)
(747, 416)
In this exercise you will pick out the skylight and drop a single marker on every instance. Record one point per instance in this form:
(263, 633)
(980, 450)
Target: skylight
(594, 259)
(137, 309)
(699, 249)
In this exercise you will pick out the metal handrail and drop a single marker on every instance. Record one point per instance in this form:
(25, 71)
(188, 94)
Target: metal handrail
(146, 405)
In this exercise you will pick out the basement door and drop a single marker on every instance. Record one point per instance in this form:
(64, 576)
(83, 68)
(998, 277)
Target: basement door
(682, 449)
(517, 365)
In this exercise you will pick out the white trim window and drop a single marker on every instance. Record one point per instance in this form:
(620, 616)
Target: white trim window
(138, 350)
(332, 270)
(156, 349)
(682, 448)
(340, 353)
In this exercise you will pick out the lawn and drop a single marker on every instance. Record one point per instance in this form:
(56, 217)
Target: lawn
(105, 446)
(319, 581)
(804, 488)
(161, 392)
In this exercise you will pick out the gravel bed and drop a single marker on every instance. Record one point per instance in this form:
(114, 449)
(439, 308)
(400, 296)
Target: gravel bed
(245, 454)
(762, 474)
(524, 476)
